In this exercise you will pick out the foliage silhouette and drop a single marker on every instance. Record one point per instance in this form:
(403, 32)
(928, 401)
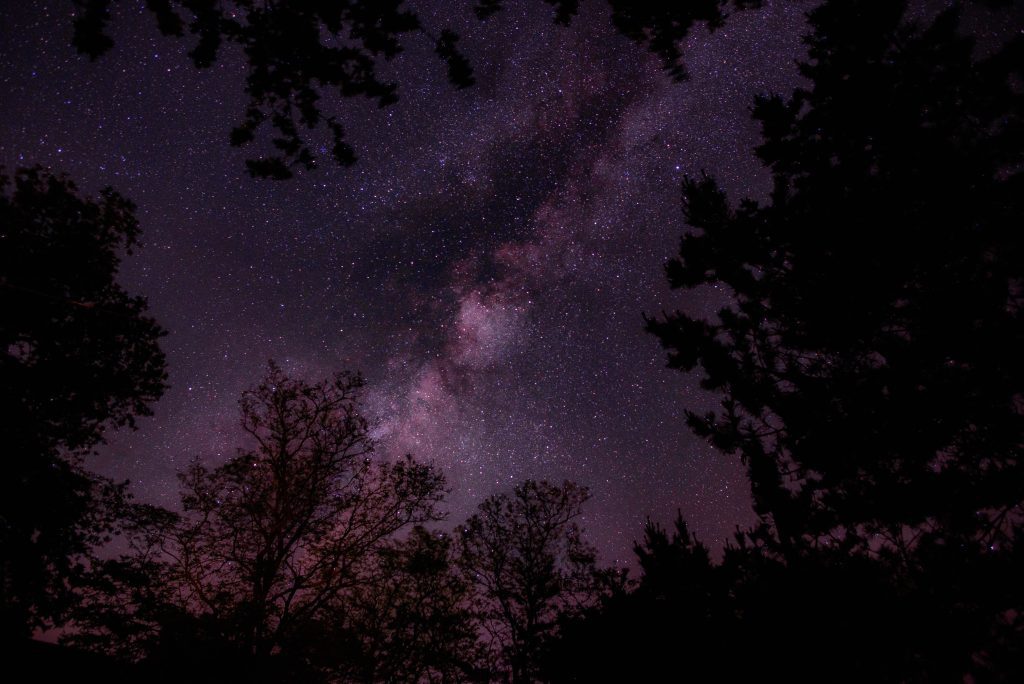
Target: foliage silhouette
(284, 554)
(870, 361)
(483, 605)
(825, 615)
(871, 364)
(679, 607)
(126, 606)
(80, 356)
(296, 52)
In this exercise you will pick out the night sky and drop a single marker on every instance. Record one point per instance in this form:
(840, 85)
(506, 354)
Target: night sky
(485, 264)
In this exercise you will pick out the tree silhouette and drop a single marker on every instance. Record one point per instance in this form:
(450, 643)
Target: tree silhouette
(273, 543)
(79, 357)
(869, 361)
(677, 618)
(526, 557)
(823, 615)
(125, 604)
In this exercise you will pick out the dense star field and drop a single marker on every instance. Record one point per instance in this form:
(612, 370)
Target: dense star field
(485, 264)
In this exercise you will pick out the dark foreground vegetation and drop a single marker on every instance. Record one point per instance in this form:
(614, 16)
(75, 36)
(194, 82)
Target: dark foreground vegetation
(869, 366)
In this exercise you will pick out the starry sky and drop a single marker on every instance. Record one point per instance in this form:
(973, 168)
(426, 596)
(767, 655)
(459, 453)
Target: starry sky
(485, 264)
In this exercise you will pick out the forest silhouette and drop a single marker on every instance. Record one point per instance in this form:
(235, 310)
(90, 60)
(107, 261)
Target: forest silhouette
(868, 367)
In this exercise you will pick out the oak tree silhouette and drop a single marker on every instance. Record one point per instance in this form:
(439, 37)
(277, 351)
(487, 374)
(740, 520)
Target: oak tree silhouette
(275, 542)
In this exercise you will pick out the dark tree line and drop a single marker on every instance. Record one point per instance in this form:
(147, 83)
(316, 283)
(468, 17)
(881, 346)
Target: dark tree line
(306, 557)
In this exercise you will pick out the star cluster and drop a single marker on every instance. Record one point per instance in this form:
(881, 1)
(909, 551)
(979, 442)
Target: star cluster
(485, 264)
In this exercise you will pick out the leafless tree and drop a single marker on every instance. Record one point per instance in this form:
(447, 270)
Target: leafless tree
(274, 539)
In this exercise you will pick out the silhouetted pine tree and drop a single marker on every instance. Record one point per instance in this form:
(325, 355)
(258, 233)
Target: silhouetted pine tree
(870, 362)
(676, 623)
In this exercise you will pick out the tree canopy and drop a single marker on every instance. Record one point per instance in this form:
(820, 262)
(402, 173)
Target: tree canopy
(272, 540)
(869, 361)
(412, 623)
(306, 556)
